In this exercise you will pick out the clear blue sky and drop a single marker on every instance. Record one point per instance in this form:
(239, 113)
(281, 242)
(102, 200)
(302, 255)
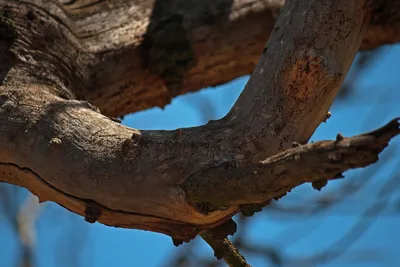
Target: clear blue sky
(65, 237)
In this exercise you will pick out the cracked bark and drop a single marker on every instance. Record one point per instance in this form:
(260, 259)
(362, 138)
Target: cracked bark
(181, 182)
(128, 61)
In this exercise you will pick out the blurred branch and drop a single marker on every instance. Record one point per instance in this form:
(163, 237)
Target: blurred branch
(365, 60)
(329, 200)
(27, 215)
(21, 218)
(355, 232)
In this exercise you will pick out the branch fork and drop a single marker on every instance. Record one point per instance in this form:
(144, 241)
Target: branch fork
(188, 181)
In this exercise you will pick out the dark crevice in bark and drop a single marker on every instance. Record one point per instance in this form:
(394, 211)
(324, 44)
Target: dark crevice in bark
(167, 49)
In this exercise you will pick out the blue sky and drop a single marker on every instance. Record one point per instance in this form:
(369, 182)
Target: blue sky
(63, 237)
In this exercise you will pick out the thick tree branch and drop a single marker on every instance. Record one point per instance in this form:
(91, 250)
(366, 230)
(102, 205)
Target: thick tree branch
(65, 151)
(288, 95)
(131, 55)
(219, 187)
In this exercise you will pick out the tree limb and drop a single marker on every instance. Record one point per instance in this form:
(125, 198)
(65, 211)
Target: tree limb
(219, 187)
(131, 55)
(65, 151)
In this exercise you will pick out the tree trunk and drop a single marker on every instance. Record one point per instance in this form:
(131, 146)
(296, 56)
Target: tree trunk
(186, 181)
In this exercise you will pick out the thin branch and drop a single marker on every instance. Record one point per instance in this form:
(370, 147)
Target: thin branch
(358, 229)
(26, 219)
(223, 248)
(314, 206)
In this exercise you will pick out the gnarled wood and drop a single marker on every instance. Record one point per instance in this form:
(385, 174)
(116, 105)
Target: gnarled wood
(64, 150)
(136, 54)
(177, 183)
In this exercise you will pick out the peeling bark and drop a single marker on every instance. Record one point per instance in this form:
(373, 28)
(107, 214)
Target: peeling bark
(186, 181)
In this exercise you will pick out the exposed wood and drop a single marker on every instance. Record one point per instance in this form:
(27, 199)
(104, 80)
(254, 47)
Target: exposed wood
(136, 54)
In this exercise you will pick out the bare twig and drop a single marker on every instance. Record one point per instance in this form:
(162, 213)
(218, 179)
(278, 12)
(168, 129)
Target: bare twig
(224, 249)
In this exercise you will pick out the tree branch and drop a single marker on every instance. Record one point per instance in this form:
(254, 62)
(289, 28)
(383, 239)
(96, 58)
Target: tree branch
(65, 151)
(223, 248)
(219, 187)
(68, 153)
(156, 52)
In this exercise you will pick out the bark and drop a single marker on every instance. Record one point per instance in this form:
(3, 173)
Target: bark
(186, 181)
(140, 54)
(223, 248)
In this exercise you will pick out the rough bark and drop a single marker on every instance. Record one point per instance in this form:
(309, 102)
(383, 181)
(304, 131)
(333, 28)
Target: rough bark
(65, 150)
(223, 248)
(137, 54)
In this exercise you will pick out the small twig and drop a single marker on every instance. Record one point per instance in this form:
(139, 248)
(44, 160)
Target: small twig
(224, 249)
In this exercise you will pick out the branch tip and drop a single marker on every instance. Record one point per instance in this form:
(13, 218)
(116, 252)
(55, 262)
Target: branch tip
(391, 129)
